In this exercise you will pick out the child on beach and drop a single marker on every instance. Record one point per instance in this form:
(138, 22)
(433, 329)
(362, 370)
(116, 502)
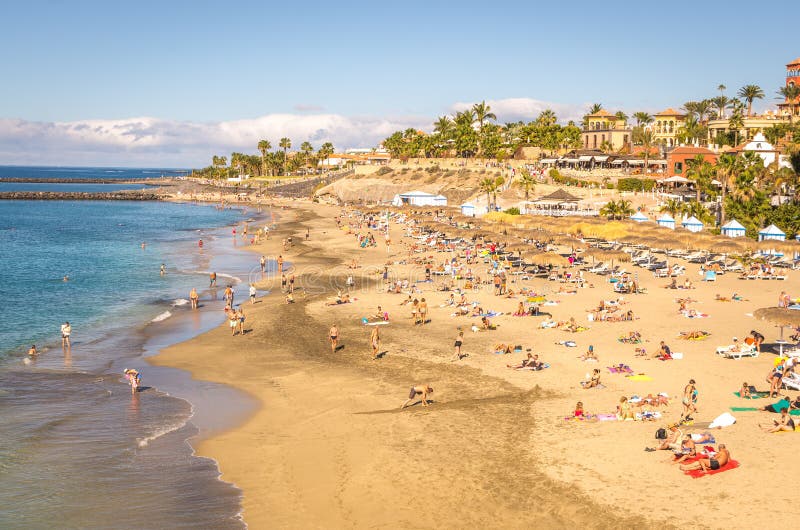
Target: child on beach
(133, 378)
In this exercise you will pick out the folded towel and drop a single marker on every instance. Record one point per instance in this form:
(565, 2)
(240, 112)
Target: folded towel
(639, 377)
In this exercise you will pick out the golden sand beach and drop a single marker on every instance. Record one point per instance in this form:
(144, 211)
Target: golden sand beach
(330, 447)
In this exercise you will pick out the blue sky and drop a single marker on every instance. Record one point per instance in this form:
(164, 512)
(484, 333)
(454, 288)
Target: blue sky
(204, 67)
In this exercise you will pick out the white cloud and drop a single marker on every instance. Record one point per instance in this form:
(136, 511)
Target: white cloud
(153, 142)
(527, 109)
(156, 142)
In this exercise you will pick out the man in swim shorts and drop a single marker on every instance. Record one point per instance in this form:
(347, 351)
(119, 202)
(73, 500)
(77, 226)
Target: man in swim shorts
(334, 335)
(66, 331)
(706, 463)
(415, 391)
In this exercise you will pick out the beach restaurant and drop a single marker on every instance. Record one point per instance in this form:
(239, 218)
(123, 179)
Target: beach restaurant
(560, 202)
(419, 198)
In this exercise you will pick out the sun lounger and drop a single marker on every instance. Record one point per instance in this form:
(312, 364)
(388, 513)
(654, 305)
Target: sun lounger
(791, 381)
(744, 350)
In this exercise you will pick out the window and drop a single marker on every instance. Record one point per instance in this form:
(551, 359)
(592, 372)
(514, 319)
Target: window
(625, 139)
(594, 142)
(678, 168)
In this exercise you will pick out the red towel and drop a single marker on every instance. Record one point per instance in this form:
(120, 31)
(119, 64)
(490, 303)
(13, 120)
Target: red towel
(697, 473)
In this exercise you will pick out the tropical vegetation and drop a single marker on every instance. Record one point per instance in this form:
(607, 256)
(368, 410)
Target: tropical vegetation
(268, 163)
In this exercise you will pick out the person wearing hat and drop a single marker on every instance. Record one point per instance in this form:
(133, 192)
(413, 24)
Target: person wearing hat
(673, 440)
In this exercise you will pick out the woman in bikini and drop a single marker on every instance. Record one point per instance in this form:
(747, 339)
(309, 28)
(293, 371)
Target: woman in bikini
(689, 400)
(784, 423)
(193, 297)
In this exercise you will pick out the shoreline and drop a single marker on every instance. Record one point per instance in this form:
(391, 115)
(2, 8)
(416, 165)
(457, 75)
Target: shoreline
(330, 432)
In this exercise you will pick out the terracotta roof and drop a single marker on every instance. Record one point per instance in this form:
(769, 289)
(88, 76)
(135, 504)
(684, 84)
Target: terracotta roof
(602, 113)
(795, 62)
(670, 112)
(691, 150)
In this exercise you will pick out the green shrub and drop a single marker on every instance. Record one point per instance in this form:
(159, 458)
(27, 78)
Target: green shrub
(512, 211)
(634, 184)
(385, 170)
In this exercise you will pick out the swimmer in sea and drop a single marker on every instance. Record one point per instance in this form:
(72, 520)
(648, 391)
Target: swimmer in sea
(66, 278)
(163, 269)
(32, 351)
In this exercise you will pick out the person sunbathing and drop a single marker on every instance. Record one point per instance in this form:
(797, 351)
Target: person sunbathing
(745, 391)
(531, 363)
(719, 298)
(487, 324)
(593, 381)
(687, 450)
(694, 335)
(624, 410)
(502, 348)
(673, 440)
(672, 285)
(578, 410)
(521, 312)
(654, 401)
(340, 299)
(590, 355)
(706, 463)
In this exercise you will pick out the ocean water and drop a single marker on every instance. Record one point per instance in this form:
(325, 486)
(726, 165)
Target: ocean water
(54, 172)
(77, 449)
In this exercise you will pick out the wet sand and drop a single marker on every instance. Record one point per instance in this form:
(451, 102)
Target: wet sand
(330, 447)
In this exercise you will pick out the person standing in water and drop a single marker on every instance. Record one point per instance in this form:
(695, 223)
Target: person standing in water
(212, 279)
(252, 294)
(133, 378)
(193, 297)
(334, 335)
(263, 263)
(32, 351)
(163, 269)
(280, 263)
(66, 331)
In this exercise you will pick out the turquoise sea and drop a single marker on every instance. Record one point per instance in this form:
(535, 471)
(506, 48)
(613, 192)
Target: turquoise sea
(77, 450)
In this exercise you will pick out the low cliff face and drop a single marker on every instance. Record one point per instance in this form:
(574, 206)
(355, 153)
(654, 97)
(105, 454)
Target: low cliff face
(79, 196)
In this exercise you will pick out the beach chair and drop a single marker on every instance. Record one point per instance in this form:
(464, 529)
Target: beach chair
(791, 381)
(710, 276)
(746, 350)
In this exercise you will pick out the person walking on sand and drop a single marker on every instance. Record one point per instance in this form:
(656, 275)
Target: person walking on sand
(228, 296)
(291, 283)
(334, 335)
(423, 311)
(457, 353)
(263, 263)
(280, 263)
(252, 293)
(233, 320)
(689, 400)
(424, 390)
(240, 320)
(375, 341)
(212, 279)
(66, 331)
(193, 298)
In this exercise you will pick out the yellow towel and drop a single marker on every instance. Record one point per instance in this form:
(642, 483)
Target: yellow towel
(640, 377)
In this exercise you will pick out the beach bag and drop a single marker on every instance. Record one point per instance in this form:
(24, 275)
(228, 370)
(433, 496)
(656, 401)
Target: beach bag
(661, 434)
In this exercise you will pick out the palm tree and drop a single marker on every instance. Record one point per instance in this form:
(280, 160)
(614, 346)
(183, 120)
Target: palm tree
(698, 171)
(672, 207)
(721, 103)
(727, 167)
(617, 209)
(264, 146)
(621, 116)
(647, 144)
(749, 93)
(704, 109)
(526, 181)
(284, 143)
(325, 151)
(642, 118)
(735, 123)
(721, 89)
(547, 118)
(490, 186)
(595, 108)
(483, 112)
(444, 127)
(790, 93)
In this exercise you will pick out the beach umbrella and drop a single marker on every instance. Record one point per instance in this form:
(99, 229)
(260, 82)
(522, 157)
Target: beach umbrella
(546, 258)
(609, 255)
(781, 317)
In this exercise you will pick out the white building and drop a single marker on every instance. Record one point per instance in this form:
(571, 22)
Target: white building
(771, 232)
(419, 198)
(766, 151)
(733, 228)
(666, 221)
(692, 224)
